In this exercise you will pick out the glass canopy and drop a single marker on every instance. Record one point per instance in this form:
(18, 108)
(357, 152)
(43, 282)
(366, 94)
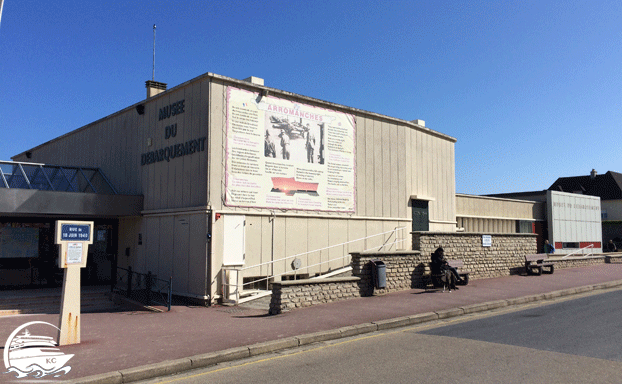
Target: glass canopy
(58, 178)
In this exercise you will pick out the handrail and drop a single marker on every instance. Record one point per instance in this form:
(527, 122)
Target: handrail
(238, 270)
(325, 248)
(146, 288)
(581, 250)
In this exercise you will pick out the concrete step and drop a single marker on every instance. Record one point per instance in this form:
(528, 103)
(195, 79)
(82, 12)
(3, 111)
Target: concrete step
(49, 303)
(258, 302)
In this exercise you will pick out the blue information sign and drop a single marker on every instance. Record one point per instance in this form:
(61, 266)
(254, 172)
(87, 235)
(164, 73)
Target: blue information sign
(75, 232)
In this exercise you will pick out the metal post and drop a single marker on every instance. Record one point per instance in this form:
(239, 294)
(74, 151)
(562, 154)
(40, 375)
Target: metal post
(223, 280)
(271, 252)
(153, 69)
(1, 6)
(129, 281)
(170, 292)
(237, 286)
(113, 282)
(148, 287)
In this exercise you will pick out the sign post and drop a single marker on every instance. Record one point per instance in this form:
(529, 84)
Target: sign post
(74, 238)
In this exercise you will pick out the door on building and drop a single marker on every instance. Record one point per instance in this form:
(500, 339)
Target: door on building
(234, 254)
(234, 247)
(421, 217)
(181, 265)
(102, 255)
(540, 228)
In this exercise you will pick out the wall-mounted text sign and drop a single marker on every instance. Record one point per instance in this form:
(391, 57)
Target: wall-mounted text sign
(173, 151)
(486, 240)
(74, 238)
(176, 108)
(75, 232)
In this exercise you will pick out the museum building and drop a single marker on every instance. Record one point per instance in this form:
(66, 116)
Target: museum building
(223, 172)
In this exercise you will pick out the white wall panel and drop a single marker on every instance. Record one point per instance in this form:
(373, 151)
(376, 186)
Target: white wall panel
(297, 242)
(337, 234)
(574, 219)
(181, 256)
(197, 254)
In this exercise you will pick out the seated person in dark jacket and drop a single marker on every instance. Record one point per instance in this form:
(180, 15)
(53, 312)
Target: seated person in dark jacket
(611, 247)
(439, 264)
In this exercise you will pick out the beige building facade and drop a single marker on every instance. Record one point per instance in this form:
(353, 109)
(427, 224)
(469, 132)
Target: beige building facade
(497, 215)
(212, 196)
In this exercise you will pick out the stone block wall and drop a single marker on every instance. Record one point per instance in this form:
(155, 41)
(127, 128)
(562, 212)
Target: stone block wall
(287, 295)
(575, 262)
(409, 269)
(505, 256)
(404, 270)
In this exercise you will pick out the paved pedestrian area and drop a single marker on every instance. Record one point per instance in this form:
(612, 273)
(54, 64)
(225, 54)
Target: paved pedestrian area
(113, 342)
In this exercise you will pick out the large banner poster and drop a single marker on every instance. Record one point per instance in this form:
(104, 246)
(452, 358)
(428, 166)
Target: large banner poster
(287, 155)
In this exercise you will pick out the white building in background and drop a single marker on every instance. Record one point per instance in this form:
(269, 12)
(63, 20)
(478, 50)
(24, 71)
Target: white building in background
(574, 221)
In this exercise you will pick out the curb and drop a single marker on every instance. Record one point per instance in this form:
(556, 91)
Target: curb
(205, 360)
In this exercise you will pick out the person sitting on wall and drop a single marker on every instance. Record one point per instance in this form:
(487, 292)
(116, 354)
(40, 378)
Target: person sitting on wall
(439, 265)
(611, 247)
(548, 248)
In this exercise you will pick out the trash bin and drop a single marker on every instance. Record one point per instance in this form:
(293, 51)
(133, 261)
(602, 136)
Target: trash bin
(379, 273)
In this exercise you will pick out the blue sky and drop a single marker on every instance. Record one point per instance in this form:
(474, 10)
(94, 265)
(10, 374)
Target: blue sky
(532, 90)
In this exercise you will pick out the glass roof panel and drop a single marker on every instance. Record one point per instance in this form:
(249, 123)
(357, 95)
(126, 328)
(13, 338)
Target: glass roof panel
(44, 177)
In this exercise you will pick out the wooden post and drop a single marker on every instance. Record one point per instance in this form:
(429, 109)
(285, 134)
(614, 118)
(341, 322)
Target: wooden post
(70, 308)
(74, 238)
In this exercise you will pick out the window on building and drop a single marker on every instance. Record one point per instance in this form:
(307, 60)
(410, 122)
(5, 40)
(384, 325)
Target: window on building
(524, 226)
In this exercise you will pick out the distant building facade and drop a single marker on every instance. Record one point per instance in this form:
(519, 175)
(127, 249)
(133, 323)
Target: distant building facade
(602, 190)
(608, 187)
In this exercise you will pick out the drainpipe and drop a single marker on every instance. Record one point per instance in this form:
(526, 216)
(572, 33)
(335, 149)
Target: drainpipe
(208, 257)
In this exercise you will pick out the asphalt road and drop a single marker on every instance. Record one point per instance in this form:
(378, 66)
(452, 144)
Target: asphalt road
(572, 341)
(590, 326)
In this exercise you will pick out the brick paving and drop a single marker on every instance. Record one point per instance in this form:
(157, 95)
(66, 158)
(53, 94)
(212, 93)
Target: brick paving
(113, 341)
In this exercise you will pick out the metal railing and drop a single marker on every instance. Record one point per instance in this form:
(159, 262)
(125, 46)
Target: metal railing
(144, 288)
(231, 291)
(582, 250)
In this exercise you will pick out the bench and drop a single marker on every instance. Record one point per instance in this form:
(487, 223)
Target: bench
(436, 280)
(535, 263)
(459, 265)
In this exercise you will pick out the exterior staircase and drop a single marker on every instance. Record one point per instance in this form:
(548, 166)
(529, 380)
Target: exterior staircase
(260, 299)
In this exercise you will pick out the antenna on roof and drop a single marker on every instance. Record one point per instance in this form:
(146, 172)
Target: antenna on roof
(153, 68)
(1, 6)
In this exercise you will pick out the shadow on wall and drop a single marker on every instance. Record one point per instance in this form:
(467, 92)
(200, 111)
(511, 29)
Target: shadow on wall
(419, 277)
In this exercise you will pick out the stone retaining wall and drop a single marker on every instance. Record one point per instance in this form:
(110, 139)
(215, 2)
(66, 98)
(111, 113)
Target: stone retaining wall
(287, 295)
(408, 269)
(505, 256)
(575, 262)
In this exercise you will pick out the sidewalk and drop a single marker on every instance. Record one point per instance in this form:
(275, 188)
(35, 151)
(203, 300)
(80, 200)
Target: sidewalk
(122, 341)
